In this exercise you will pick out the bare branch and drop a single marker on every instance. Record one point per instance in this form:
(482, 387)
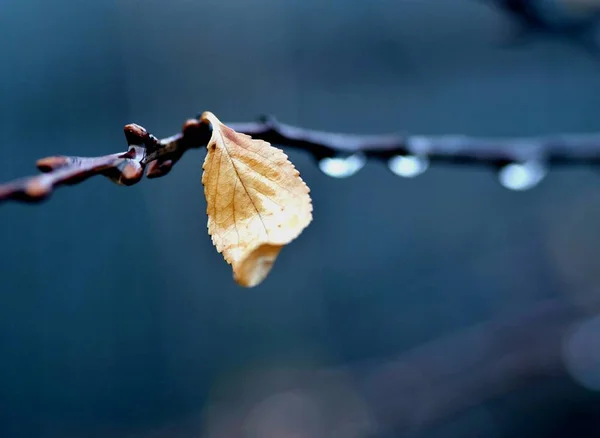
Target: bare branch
(449, 149)
(157, 157)
(124, 168)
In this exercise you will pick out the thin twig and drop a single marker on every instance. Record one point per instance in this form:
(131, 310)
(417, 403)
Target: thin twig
(157, 157)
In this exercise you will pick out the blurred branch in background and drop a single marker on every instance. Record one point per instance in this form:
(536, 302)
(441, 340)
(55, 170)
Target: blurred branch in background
(439, 379)
(521, 162)
(411, 393)
(572, 20)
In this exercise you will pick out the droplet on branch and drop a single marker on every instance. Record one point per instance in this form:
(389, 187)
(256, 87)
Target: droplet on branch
(522, 176)
(408, 166)
(342, 166)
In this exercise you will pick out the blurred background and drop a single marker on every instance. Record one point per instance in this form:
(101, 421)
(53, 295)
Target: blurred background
(440, 306)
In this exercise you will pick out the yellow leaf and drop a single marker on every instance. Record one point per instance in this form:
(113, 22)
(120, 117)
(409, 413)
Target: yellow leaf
(256, 201)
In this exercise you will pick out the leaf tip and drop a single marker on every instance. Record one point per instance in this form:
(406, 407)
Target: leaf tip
(253, 269)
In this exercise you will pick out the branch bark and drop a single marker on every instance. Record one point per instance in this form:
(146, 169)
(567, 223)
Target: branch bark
(157, 157)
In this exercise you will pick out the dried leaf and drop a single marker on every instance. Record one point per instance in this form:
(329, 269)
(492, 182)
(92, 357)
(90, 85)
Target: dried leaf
(256, 201)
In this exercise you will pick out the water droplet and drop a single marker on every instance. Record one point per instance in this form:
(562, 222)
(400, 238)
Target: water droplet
(342, 166)
(408, 166)
(522, 176)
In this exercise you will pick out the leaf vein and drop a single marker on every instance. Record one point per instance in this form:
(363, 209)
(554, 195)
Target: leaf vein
(242, 182)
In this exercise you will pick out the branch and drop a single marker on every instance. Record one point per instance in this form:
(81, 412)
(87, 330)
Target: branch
(157, 157)
(125, 168)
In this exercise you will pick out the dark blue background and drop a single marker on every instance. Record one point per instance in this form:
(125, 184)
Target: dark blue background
(117, 316)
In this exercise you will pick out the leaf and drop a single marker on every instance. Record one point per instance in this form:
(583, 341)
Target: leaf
(256, 201)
